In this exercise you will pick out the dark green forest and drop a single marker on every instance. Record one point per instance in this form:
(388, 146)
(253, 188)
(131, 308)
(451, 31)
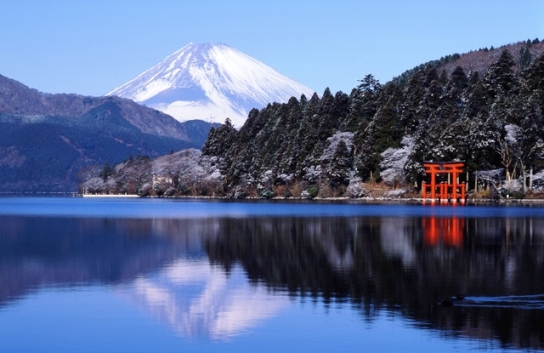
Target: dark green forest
(46, 153)
(335, 144)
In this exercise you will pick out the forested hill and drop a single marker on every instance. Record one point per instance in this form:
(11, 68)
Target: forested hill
(323, 146)
(347, 144)
(480, 60)
(45, 139)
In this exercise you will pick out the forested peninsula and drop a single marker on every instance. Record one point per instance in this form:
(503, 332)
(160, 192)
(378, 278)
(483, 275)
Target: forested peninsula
(483, 108)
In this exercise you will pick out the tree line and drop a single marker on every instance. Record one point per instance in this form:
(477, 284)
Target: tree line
(331, 145)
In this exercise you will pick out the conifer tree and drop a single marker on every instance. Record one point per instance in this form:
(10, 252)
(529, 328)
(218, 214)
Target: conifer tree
(534, 76)
(413, 94)
(106, 172)
(500, 77)
(383, 132)
(340, 168)
(525, 57)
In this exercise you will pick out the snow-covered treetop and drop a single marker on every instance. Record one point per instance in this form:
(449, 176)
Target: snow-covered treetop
(333, 141)
(512, 133)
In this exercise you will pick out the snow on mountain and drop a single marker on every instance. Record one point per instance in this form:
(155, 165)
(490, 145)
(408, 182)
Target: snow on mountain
(211, 82)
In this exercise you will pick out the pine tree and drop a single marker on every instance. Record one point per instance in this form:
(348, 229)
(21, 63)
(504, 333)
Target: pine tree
(340, 168)
(525, 57)
(307, 134)
(369, 84)
(534, 76)
(220, 140)
(526, 114)
(383, 132)
(288, 155)
(363, 105)
(106, 172)
(500, 77)
(413, 94)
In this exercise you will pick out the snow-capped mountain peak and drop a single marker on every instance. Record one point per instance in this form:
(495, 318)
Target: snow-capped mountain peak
(210, 82)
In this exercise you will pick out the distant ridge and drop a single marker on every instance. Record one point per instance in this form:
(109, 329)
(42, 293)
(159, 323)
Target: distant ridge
(210, 82)
(480, 60)
(46, 139)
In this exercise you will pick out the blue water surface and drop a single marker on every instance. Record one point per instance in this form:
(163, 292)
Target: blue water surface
(184, 208)
(177, 275)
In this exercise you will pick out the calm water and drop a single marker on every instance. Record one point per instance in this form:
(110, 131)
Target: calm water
(119, 275)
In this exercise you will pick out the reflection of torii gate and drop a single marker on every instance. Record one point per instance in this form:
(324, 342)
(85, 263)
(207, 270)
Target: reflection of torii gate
(446, 190)
(448, 231)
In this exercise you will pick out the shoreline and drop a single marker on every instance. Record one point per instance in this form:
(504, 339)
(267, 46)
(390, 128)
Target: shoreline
(362, 199)
(109, 196)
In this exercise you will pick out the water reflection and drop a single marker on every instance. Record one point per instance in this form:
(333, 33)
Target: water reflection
(39, 252)
(200, 300)
(220, 277)
(448, 231)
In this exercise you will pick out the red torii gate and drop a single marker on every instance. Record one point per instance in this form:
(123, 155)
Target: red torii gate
(450, 190)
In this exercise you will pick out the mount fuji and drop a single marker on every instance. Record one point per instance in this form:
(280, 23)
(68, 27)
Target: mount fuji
(210, 82)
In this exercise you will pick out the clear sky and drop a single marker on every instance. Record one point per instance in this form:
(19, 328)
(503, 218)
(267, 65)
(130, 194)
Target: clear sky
(91, 47)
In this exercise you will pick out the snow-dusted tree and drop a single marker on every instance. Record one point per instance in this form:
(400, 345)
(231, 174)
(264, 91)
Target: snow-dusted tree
(384, 131)
(491, 177)
(265, 185)
(394, 160)
(340, 169)
(414, 91)
(500, 78)
(332, 145)
(356, 188)
(312, 174)
(508, 149)
(526, 112)
(369, 84)
(538, 181)
(337, 159)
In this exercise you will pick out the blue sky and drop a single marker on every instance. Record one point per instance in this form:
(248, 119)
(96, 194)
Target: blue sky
(91, 47)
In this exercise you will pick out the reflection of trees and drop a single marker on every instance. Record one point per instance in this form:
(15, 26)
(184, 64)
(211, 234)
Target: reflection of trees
(294, 254)
(372, 263)
(37, 252)
(387, 264)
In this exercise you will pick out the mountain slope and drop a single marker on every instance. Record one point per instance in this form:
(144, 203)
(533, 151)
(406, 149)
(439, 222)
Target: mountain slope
(44, 153)
(18, 99)
(46, 139)
(478, 61)
(210, 82)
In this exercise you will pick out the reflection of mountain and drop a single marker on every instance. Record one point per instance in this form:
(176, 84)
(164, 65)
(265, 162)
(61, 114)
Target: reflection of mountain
(199, 300)
(193, 297)
(373, 263)
(39, 252)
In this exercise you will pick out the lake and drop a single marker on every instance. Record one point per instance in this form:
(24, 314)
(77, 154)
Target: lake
(163, 275)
